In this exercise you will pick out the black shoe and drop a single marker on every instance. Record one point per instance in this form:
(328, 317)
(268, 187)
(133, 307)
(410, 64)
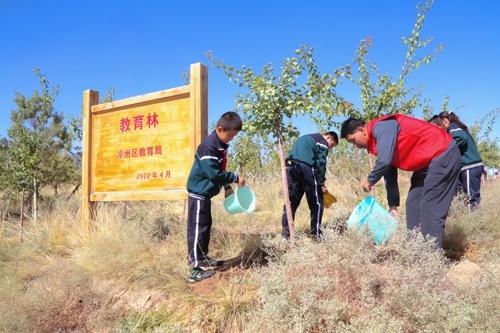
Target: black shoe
(210, 264)
(285, 234)
(197, 274)
(318, 237)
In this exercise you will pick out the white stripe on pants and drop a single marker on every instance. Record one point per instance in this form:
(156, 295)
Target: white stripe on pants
(196, 232)
(468, 190)
(317, 202)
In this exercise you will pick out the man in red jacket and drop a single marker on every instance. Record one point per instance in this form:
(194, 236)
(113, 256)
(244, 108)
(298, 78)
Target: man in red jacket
(407, 143)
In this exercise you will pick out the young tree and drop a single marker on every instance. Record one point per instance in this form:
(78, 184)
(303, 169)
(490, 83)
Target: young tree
(4, 180)
(487, 145)
(270, 102)
(39, 143)
(4, 150)
(381, 94)
(254, 156)
(21, 161)
(246, 155)
(490, 152)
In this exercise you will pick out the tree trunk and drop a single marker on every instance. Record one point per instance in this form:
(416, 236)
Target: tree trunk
(34, 200)
(56, 190)
(4, 216)
(74, 190)
(22, 214)
(259, 173)
(284, 180)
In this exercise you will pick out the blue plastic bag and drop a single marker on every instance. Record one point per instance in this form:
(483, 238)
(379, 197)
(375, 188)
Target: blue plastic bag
(370, 215)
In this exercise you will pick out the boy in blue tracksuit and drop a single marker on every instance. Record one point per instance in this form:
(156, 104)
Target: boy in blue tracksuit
(208, 175)
(306, 168)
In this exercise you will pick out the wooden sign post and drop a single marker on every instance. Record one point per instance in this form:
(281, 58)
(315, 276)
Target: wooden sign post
(142, 148)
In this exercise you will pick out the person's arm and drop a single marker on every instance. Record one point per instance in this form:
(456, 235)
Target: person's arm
(320, 161)
(460, 137)
(386, 134)
(392, 187)
(211, 165)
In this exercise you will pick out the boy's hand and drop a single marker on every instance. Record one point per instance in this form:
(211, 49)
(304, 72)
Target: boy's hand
(366, 186)
(241, 181)
(324, 189)
(393, 210)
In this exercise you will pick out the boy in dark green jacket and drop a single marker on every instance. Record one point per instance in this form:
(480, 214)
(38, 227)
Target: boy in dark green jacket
(472, 165)
(306, 168)
(208, 175)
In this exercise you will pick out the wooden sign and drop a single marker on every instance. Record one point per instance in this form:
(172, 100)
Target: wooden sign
(142, 148)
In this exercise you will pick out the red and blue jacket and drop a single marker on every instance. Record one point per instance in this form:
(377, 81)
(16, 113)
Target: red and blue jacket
(402, 142)
(417, 142)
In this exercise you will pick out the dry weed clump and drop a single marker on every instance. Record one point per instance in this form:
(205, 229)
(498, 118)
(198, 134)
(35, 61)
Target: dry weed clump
(11, 287)
(62, 299)
(118, 249)
(43, 294)
(347, 284)
(475, 234)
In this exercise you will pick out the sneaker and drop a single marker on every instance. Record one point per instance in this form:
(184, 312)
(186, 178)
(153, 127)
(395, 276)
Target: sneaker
(210, 264)
(285, 234)
(318, 237)
(197, 274)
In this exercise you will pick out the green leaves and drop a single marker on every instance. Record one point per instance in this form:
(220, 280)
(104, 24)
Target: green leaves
(414, 43)
(270, 100)
(38, 147)
(381, 94)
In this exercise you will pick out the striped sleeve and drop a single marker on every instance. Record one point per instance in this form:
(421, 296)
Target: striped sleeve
(211, 164)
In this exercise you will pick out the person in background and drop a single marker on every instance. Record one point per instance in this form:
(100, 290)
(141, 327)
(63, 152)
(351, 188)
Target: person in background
(471, 163)
(208, 175)
(306, 168)
(436, 120)
(407, 143)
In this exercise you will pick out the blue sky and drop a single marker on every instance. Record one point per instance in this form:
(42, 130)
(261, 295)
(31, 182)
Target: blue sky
(138, 47)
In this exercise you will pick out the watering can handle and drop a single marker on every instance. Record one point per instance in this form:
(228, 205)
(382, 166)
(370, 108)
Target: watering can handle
(228, 190)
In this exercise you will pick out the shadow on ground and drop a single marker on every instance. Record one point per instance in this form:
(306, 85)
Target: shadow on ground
(253, 254)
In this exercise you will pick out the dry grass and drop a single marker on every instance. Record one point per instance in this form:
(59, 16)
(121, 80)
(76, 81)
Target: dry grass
(347, 284)
(129, 274)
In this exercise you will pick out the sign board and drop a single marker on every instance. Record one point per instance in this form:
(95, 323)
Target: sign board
(142, 148)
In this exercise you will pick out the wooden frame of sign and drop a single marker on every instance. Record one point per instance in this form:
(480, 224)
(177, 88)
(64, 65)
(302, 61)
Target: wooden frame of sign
(142, 148)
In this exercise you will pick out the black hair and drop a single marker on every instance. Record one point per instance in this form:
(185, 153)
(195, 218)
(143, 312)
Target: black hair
(230, 121)
(436, 119)
(334, 135)
(453, 118)
(350, 126)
